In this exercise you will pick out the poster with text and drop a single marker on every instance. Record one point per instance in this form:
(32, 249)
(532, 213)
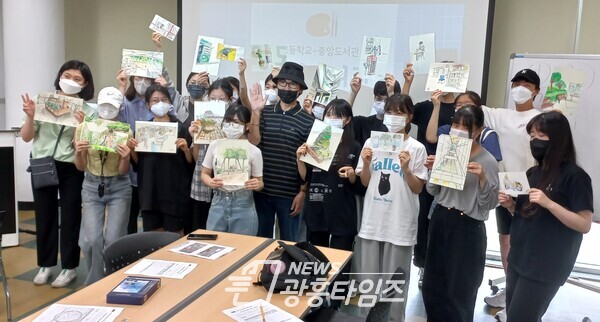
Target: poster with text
(142, 63)
(447, 77)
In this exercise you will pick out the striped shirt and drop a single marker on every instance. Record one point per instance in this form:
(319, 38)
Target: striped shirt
(200, 191)
(281, 135)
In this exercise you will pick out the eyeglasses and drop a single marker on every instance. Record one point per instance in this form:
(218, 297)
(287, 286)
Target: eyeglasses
(156, 100)
(291, 84)
(232, 125)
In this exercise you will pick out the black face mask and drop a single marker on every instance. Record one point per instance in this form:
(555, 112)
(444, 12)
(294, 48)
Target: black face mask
(287, 96)
(196, 91)
(539, 149)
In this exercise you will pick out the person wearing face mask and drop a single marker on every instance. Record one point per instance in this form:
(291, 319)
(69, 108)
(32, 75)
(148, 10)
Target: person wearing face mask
(363, 125)
(196, 86)
(106, 192)
(424, 111)
(232, 209)
(457, 238)
(277, 130)
(271, 90)
(74, 79)
(514, 143)
(201, 194)
(548, 223)
(488, 138)
(388, 230)
(164, 179)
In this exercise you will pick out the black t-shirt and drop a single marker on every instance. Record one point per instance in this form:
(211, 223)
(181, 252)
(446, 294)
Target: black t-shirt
(363, 125)
(541, 247)
(330, 205)
(421, 118)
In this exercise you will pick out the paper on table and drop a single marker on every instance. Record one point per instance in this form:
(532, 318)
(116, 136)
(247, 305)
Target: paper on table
(252, 312)
(81, 313)
(514, 183)
(160, 268)
(164, 27)
(202, 250)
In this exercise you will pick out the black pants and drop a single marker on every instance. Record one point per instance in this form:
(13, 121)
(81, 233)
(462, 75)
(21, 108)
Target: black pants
(454, 265)
(322, 238)
(527, 300)
(46, 203)
(420, 250)
(134, 211)
(199, 214)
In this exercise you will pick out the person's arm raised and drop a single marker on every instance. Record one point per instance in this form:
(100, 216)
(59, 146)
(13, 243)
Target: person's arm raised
(433, 125)
(355, 85)
(409, 76)
(257, 103)
(27, 130)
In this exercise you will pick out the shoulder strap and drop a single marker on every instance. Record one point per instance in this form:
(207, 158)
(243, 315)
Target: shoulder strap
(62, 128)
(313, 250)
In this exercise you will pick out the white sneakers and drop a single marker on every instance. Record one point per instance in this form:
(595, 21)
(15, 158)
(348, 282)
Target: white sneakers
(42, 276)
(501, 315)
(496, 300)
(63, 279)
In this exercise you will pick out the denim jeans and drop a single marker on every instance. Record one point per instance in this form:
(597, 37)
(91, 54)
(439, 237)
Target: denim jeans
(267, 207)
(233, 212)
(94, 235)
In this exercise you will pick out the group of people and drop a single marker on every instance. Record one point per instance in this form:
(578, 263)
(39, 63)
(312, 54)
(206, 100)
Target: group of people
(380, 205)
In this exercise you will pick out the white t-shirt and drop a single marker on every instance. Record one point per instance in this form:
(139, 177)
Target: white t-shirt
(229, 159)
(511, 126)
(391, 209)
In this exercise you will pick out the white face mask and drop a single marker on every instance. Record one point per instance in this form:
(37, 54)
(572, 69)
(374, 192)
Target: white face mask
(161, 108)
(338, 123)
(318, 111)
(233, 130)
(271, 96)
(460, 133)
(521, 94)
(378, 107)
(107, 111)
(69, 86)
(394, 123)
(141, 86)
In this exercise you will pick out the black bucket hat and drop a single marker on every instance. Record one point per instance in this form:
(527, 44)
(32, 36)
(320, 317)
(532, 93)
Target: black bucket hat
(291, 71)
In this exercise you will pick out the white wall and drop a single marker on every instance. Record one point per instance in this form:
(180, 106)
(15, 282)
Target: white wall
(2, 98)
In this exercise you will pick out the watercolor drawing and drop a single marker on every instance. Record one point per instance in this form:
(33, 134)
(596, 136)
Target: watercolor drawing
(104, 135)
(164, 27)
(322, 142)
(451, 159)
(157, 137)
(142, 63)
(514, 183)
(205, 58)
(229, 53)
(375, 52)
(564, 89)
(326, 84)
(209, 116)
(57, 109)
(447, 77)
(231, 162)
(387, 142)
(422, 52)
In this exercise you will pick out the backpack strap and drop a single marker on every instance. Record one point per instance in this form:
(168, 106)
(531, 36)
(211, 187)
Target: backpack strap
(313, 250)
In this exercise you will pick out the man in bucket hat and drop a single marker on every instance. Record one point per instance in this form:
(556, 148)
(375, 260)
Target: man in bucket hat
(278, 130)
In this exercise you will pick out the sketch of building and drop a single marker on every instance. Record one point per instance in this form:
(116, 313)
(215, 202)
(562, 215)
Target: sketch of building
(156, 136)
(450, 166)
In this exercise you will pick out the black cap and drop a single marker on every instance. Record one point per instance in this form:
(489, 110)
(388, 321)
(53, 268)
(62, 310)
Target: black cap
(291, 71)
(527, 75)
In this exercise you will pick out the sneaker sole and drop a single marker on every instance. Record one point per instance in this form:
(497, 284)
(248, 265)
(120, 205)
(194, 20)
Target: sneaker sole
(44, 283)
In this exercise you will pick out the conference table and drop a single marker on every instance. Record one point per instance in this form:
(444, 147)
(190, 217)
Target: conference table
(206, 291)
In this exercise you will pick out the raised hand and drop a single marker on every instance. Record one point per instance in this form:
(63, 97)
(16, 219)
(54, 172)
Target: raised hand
(257, 100)
(408, 73)
(28, 106)
(367, 155)
(356, 82)
(157, 40)
(242, 66)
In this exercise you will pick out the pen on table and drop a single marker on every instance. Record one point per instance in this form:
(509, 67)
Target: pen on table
(262, 313)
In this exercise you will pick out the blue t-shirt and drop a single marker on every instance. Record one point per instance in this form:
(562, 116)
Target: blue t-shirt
(488, 140)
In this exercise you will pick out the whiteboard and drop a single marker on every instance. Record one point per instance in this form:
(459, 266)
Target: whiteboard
(584, 118)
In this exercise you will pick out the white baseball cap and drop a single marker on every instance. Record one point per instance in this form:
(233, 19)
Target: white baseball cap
(110, 95)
